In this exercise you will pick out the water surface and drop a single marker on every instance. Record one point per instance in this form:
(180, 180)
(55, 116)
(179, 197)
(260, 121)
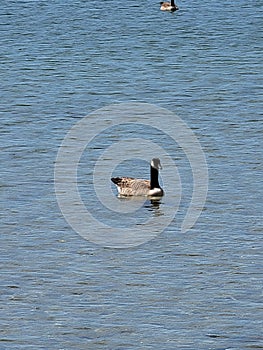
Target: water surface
(201, 290)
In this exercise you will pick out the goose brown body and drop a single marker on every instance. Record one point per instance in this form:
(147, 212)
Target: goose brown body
(128, 186)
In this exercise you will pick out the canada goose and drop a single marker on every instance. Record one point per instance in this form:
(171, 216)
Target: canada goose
(128, 186)
(168, 6)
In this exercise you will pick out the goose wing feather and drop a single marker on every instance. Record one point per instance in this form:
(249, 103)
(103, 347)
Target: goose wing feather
(128, 186)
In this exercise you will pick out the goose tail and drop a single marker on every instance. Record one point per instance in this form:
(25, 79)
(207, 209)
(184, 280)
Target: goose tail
(116, 180)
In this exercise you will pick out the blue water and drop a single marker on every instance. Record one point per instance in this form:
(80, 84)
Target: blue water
(60, 61)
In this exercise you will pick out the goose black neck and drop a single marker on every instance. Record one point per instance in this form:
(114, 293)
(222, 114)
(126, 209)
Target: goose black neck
(172, 3)
(154, 178)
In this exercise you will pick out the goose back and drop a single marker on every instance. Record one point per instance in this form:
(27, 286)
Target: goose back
(128, 186)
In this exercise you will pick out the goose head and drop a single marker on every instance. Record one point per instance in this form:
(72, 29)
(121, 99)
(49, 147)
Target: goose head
(156, 163)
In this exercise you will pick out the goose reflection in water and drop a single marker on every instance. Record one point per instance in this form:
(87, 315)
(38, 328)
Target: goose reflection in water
(152, 204)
